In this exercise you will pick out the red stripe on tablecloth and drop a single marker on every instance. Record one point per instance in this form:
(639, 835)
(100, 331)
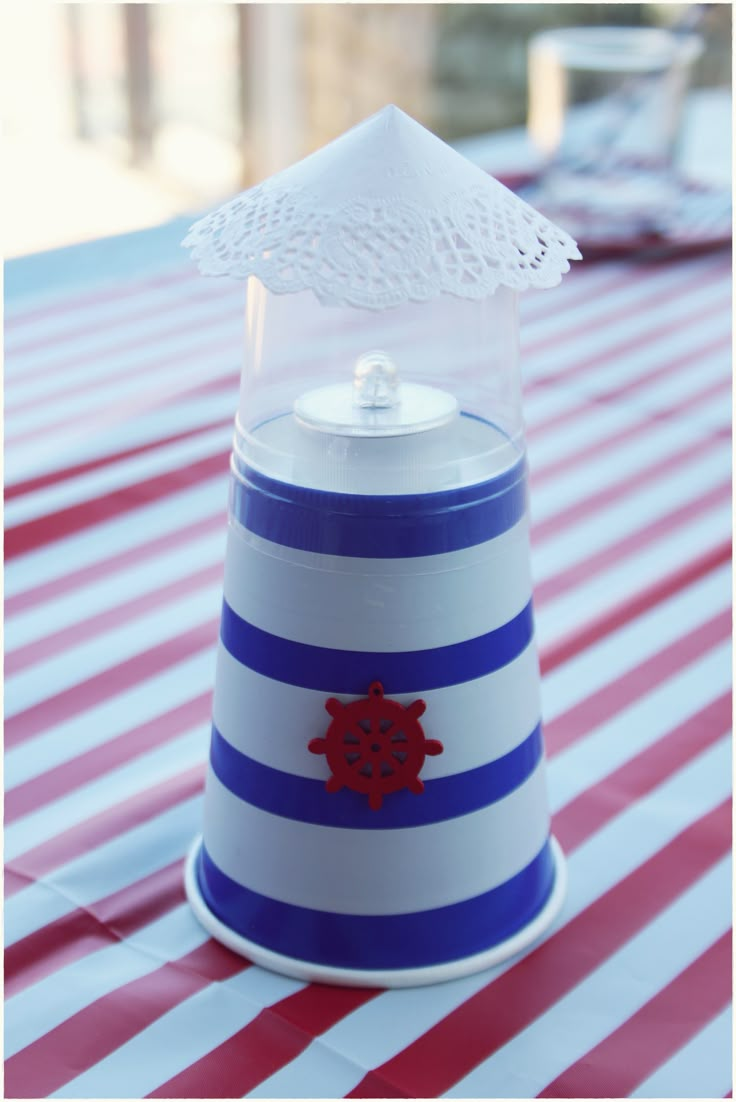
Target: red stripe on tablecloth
(625, 389)
(513, 1000)
(76, 518)
(147, 399)
(65, 777)
(274, 1038)
(661, 294)
(659, 297)
(86, 694)
(559, 733)
(109, 824)
(87, 929)
(43, 530)
(578, 641)
(58, 641)
(91, 1034)
(640, 775)
(629, 1055)
(66, 583)
(628, 345)
(565, 729)
(18, 318)
(200, 292)
(613, 553)
(628, 781)
(640, 422)
(193, 324)
(94, 763)
(583, 507)
(63, 474)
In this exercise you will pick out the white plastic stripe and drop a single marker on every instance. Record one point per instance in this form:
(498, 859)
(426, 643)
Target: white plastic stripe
(630, 731)
(82, 319)
(598, 874)
(476, 721)
(378, 604)
(35, 456)
(93, 656)
(642, 325)
(606, 468)
(610, 588)
(169, 336)
(119, 713)
(182, 1036)
(364, 1038)
(378, 1030)
(632, 294)
(620, 651)
(83, 981)
(123, 586)
(702, 1068)
(655, 956)
(638, 508)
(105, 869)
(86, 548)
(364, 871)
(118, 476)
(146, 771)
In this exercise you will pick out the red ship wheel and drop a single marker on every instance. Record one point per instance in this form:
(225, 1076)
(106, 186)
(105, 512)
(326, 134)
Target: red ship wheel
(375, 746)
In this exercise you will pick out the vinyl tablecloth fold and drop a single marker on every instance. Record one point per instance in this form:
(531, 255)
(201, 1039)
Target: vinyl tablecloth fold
(121, 384)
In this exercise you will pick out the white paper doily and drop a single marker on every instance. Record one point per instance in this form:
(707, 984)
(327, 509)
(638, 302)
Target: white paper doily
(385, 214)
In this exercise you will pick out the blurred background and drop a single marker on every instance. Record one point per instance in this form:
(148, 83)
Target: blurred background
(119, 116)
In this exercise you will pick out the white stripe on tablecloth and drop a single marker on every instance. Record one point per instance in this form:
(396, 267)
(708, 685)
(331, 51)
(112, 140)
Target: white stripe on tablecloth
(597, 666)
(40, 456)
(65, 670)
(87, 328)
(608, 467)
(587, 761)
(609, 745)
(634, 574)
(617, 989)
(377, 1031)
(626, 648)
(638, 508)
(184, 1034)
(77, 985)
(112, 536)
(58, 328)
(664, 324)
(119, 713)
(223, 340)
(158, 765)
(702, 1068)
(105, 869)
(120, 476)
(395, 1018)
(119, 587)
(53, 370)
(561, 689)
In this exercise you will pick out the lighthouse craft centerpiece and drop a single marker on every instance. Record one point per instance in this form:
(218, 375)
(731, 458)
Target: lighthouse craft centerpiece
(375, 807)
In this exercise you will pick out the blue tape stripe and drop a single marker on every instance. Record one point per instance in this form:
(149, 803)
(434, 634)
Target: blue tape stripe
(380, 941)
(374, 527)
(344, 671)
(306, 799)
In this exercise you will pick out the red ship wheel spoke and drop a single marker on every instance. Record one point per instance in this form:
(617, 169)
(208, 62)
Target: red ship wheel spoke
(375, 746)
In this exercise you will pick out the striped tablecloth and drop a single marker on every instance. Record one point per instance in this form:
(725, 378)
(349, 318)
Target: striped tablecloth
(121, 386)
